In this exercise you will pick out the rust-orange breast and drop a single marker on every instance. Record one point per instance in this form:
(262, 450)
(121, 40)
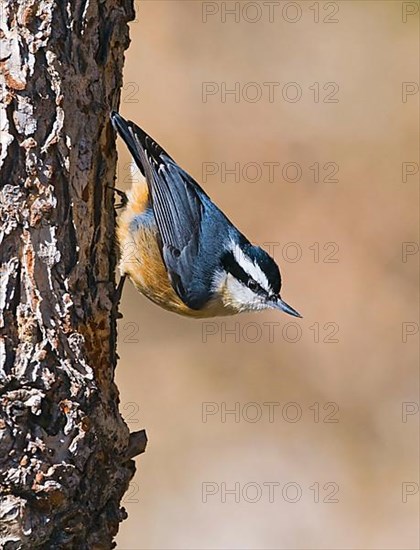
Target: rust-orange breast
(141, 260)
(140, 257)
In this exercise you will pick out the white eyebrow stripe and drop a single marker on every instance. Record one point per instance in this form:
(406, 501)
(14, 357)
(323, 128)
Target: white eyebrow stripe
(250, 267)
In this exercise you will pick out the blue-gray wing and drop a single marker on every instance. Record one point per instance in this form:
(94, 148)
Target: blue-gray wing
(178, 208)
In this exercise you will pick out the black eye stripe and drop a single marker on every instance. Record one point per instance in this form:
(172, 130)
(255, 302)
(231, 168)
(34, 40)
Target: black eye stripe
(231, 266)
(256, 287)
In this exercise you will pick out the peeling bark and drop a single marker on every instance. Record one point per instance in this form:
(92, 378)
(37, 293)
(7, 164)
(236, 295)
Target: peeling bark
(64, 448)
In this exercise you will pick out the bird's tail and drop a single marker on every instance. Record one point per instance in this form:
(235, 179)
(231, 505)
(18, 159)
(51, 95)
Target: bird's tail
(145, 150)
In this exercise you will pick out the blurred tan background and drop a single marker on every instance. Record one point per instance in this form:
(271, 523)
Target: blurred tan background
(333, 462)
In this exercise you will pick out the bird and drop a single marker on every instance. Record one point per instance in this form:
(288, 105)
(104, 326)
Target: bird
(179, 249)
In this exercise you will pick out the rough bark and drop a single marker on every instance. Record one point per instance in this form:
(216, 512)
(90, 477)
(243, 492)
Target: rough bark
(64, 448)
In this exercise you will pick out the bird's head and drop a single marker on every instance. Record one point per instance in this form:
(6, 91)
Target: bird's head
(250, 280)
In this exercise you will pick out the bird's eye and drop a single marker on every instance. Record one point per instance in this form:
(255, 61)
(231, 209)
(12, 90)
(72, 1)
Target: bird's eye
(252, 285)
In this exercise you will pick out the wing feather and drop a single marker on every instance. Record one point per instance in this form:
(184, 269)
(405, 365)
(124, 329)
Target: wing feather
(177, 204)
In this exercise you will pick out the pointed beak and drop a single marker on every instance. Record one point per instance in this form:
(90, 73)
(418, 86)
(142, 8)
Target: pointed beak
(279, 304)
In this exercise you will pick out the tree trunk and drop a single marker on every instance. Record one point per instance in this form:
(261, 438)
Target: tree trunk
(64, 448)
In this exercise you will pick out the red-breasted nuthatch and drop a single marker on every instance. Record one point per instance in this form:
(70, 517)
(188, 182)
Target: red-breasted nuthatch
(179, 249)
